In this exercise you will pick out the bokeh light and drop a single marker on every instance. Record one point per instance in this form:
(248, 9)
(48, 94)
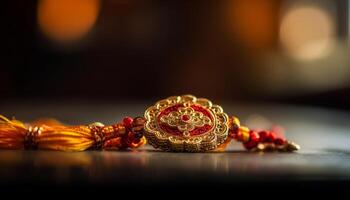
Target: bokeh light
(253, 22)
(307, 32)
(67, 20)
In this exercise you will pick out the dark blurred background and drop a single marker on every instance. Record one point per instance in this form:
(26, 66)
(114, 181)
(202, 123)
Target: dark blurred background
(241, 50)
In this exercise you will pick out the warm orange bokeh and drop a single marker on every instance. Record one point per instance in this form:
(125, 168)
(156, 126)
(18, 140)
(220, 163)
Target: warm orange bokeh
(253, 22)
(67, 20)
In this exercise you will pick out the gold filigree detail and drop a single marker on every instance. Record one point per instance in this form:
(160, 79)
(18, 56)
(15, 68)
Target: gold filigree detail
(168, 142)
(186, 119)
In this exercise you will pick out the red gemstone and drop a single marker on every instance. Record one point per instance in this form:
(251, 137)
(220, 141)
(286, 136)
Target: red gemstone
(185, 118)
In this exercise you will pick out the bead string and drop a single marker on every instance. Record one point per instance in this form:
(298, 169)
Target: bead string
(259, 140)
(127, 134)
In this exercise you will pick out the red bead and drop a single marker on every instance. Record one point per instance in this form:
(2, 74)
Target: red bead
(233, 131)
(279, 141)
(266, 136)
(253, 140)
(254, 136)
(263, 136)
(127, 121)
(271, 137)
(239, 136)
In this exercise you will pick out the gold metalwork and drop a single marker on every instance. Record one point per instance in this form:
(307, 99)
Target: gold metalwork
(186, 119)
(211, 139)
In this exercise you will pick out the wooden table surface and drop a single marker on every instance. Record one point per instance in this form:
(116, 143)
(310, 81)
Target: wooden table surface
(324, 136)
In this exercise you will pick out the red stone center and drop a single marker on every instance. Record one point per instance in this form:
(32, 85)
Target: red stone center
(185, 118)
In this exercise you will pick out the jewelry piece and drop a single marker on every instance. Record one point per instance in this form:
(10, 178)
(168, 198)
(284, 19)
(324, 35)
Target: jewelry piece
(179, 123)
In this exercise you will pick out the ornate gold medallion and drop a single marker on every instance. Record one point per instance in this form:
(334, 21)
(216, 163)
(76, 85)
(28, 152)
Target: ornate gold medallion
(186, 123)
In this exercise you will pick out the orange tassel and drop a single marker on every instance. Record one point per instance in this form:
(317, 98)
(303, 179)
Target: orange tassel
(12, 133)
(50, 134)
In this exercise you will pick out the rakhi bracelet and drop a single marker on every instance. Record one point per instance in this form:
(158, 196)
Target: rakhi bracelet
(179, 123)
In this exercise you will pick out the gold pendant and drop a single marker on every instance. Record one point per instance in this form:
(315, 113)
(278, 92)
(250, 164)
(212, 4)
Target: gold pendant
(186, 123)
